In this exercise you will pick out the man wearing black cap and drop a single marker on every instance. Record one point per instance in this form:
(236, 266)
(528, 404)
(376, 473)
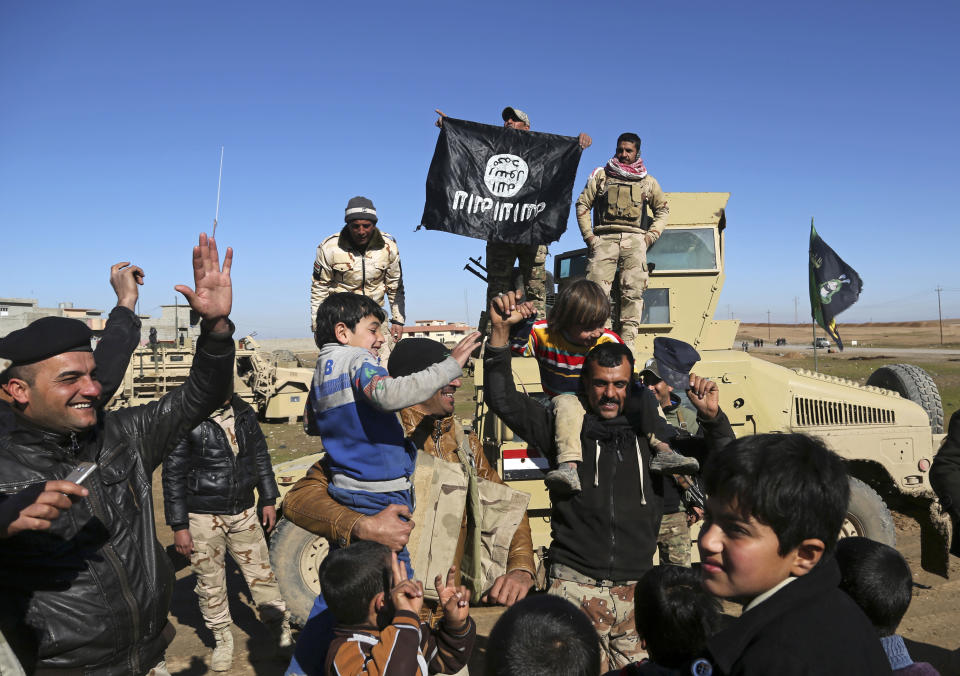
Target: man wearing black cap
(121, 335)
(603, 537)
(360, 259)
(91, 592)
(668, 375)
(530, 258)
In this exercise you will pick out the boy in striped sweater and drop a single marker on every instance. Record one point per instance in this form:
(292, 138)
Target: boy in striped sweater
(560, 343)
(378, 631)
(353, 400)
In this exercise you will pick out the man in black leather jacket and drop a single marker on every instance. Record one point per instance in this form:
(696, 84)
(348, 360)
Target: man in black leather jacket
(91, 593)
(208, 501)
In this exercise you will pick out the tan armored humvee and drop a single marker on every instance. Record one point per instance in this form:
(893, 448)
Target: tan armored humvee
(888, 434)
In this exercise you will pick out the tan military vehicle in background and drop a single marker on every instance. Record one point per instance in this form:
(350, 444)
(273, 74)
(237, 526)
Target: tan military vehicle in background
(888, 430)
(273, 383)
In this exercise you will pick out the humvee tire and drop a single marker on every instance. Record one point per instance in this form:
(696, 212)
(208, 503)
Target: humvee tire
(913, 383)
(868, 516)
(295, 556)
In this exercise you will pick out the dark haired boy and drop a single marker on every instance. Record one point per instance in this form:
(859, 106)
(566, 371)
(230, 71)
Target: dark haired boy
(352, 402)
(543, 635)
(776, 505)
(878, 579)
(675, 615)
(378, 631)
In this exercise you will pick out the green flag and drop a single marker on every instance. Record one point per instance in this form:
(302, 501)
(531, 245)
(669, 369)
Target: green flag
(834, 285)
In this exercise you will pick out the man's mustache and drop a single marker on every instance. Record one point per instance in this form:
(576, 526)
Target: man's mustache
(608, 400)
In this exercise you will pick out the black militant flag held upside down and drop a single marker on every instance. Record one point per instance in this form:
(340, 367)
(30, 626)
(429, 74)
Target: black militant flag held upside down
(834, 285)
(499, 184)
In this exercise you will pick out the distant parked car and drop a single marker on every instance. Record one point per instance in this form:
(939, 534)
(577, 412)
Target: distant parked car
(821, 342)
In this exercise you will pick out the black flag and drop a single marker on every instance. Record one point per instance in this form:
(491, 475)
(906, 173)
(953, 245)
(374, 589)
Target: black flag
(834, 285)
(499, 184)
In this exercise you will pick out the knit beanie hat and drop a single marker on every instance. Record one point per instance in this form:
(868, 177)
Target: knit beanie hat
(411, 355)
(360, 209)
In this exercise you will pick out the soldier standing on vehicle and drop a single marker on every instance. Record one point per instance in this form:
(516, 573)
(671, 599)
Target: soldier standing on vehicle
(208, 501)
(360, 259)
(531, 258)
(622, 194)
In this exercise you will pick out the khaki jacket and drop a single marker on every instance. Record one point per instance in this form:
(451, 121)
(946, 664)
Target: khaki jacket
(309, 505)
(647, 195)
(374, 272)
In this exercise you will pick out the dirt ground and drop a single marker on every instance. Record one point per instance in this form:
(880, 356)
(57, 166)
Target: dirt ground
(931, 627)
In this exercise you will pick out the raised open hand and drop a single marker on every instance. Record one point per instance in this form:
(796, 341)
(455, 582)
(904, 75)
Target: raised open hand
(212, 295)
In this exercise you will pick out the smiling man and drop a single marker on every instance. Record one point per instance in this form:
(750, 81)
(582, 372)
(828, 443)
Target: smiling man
(603, 537)
(360, 259)
(89, 592)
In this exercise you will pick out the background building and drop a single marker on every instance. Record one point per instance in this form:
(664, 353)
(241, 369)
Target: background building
(438, 329)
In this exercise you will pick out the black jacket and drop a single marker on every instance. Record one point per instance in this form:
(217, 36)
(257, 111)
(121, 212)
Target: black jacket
(945, 476)
(808, 627)
(608, 531)
(121, 335)
(203, 476)
(93, 591)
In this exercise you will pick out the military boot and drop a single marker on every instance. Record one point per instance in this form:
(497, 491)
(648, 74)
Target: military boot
(280, 631)
(222, 658)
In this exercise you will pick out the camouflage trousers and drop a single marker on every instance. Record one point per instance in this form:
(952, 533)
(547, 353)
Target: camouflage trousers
(241, 535)
(531, 260)
(628, 251)
(611, 611)
(673, 541)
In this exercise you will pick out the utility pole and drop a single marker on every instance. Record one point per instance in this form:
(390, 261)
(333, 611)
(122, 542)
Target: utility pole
(796, 306)
(940, 313)
(769, 337)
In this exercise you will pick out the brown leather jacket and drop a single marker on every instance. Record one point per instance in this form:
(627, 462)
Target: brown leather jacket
(309, 505)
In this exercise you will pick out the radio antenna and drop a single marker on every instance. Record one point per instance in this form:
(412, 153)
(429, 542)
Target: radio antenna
(219, 181)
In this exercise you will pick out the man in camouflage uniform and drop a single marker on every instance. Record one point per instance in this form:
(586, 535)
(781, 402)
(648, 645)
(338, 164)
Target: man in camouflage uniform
(668, 375)
(360, 259)
(622, 194)
(208, 491)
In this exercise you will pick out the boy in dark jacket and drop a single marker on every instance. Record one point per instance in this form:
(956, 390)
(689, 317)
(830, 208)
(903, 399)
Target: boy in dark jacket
(776, 505)
(208, 501)
(879, 580)
(378, 631)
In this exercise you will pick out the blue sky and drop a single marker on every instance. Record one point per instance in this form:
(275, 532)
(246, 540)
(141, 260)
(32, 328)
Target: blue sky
(113, 114)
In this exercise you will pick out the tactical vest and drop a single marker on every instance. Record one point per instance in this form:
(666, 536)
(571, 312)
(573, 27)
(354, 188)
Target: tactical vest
(624, 203)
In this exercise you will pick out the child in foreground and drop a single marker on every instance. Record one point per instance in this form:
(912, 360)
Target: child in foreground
(878, 579)
(543, 635)
(352, 402)
(776, 505)
(675, 616)
(378, 631)
(560, 344)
